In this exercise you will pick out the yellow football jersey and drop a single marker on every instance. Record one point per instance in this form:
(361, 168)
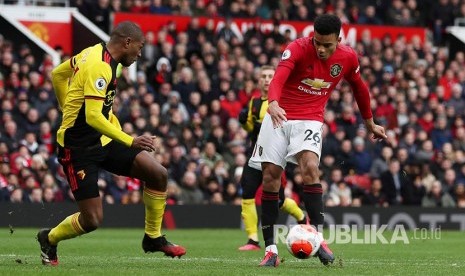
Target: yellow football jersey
(89, 75)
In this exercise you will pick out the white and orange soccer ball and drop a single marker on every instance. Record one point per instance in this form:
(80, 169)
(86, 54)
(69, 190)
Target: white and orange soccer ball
(303, 241)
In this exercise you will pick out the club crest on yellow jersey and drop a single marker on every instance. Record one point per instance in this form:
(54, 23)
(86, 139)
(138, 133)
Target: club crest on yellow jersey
(109, 97)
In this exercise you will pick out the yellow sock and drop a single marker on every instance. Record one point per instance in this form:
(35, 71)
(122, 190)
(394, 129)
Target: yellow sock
(67, 229)
(250, 218)
(155, 202)
(291, 207)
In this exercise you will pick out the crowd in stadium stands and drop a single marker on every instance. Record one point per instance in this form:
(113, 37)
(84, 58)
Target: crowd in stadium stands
(191, 86)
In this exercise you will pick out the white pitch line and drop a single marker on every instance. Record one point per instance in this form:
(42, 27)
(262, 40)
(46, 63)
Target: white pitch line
(254, 260)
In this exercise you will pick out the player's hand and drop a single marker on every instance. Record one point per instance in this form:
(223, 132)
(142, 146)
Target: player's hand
(278, 115)
(144, 142)
(377, 131)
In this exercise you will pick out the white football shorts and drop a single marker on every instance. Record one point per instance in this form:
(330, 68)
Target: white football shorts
(280, 145)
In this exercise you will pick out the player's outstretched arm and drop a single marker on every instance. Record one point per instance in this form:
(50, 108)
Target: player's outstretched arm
(95, 119)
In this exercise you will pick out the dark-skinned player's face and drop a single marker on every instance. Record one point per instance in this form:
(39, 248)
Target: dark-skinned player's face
(325, 45)
(133, 50)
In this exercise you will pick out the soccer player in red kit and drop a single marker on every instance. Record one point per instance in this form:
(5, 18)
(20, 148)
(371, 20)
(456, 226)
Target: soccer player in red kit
(310, 68)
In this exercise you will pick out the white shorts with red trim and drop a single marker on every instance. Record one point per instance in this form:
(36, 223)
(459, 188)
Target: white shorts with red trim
(281, 145)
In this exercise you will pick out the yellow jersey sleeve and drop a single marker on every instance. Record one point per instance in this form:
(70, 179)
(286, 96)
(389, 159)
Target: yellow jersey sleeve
(95, 119)
(60, 79)
(114, 120)
(248, 126)
(98, 77)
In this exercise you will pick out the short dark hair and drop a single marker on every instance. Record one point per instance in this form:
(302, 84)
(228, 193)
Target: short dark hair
(127, 29)
(327, 24)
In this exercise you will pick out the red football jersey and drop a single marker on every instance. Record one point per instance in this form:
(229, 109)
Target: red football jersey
(303, 82)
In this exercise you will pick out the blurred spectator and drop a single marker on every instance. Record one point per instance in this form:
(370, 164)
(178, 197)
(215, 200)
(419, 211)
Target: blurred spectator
(394, 12)
(441, 133)
(345, 157)
(380, 164)
(227, 32)
(35, 195)
(339, 195)
(415, 191)
(437, 197)
(426, 152)
(99, 14)
(394, 183)
(118, 189)
(132, 197)
(362, 158)
(174, 104)
(442, 15)
(190, 192)
(11, 136)
(178, 164)
(17, 196)
(369, 17)
(185, 85)
(157, 7)
(172, 193)
(375, 196)
(459, 194)
(231, 104)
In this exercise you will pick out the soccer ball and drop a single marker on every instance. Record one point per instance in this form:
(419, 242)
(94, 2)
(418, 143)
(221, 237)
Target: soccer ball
(303, 241)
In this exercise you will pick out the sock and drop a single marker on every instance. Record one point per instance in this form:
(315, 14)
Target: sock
(291, 207)
(67, 229)
(250, 218)
(313, 199)
(270, 211)
(155, 202)
(250, 241)
(273, 248)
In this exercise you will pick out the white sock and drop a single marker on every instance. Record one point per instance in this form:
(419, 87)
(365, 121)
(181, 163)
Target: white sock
(271, 248)
(320, 236)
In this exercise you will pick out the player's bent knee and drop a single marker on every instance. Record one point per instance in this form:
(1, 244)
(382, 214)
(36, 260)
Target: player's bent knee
(158, 179)
(271, 182)
(162, 176)
(91, 222)
(311, 176)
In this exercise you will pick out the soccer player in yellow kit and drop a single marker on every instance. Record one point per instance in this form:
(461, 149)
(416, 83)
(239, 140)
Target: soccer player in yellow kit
(90, 138)
(251, 177)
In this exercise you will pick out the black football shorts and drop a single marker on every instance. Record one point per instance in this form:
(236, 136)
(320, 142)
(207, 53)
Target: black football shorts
(81, 166)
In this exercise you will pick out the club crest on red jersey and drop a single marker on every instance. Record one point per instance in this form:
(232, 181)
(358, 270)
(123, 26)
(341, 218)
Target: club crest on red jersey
(335, 70)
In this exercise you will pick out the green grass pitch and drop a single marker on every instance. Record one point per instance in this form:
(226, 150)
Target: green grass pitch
(214, 252)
